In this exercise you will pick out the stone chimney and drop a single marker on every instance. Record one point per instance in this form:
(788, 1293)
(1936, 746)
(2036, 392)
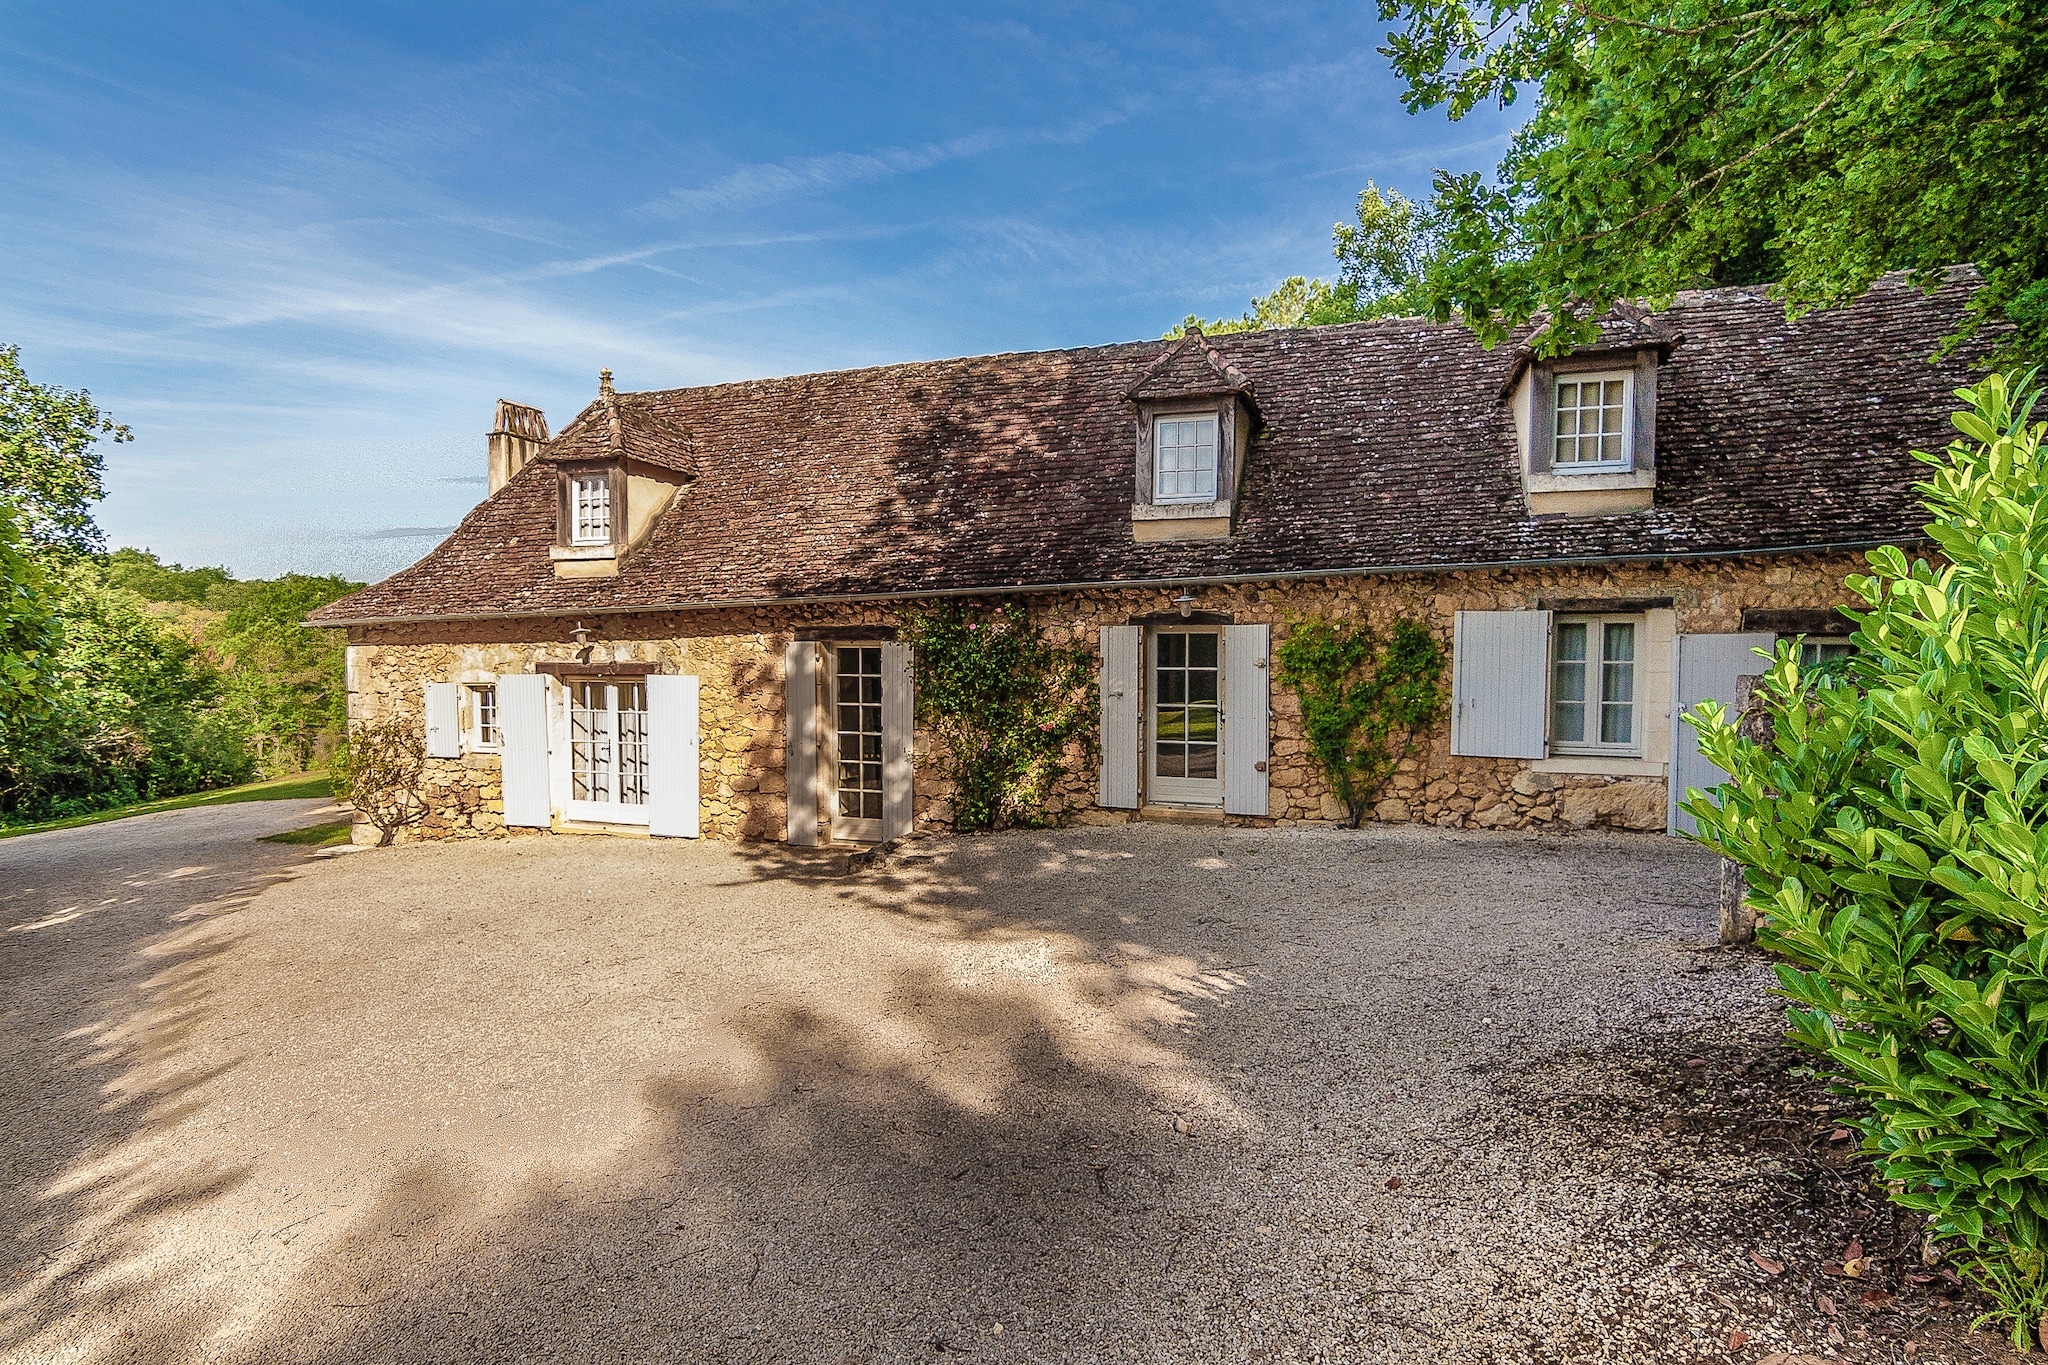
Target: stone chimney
(517, 437)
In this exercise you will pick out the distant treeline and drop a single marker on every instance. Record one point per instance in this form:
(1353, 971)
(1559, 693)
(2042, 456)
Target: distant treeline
(170, 680)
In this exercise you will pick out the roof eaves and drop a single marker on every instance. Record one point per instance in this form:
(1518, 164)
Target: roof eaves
(1103, 585)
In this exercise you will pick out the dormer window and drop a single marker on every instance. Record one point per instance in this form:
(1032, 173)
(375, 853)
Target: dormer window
(1592, 422)
(591, 509)
(1184, 449)
(1195, 416)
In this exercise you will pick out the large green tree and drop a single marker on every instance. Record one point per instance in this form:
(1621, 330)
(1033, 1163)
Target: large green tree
(28, 629)
(1674, 143)
(50, 464)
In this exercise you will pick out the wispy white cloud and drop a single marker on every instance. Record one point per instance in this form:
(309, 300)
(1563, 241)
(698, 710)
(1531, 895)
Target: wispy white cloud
(770, 182)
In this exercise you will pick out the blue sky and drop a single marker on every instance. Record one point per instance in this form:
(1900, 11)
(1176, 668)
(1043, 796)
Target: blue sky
(302, 251)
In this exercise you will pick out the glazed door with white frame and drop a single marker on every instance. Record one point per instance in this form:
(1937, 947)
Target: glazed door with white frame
(607, 750)
(856, 765)
(1184, 711)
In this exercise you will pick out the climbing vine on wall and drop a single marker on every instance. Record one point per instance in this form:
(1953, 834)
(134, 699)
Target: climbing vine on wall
(1364, 702)
(1005, 705)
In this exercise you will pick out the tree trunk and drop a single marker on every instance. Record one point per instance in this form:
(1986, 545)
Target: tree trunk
(1738, 921)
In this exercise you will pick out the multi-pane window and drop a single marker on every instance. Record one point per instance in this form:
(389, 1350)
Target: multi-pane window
(1593, 683)
(1184, 459)
(1819, 650)
(857, 694)
(1187, 707)
(1592, 421)
(590, 509)
(608, 741)
(483, 710)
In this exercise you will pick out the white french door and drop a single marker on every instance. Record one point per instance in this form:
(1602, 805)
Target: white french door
(1184, 752)
(857, 742)
(608, 750)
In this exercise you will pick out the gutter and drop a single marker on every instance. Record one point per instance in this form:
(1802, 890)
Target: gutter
(1106, 585)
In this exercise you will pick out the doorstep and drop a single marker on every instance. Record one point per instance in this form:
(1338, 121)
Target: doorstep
(1184, 815)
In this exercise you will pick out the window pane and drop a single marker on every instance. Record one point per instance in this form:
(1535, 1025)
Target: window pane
(1202, 723)
(1610, 447)
(1567, 422)
(1172, 761)
(1173, 724)
(1618, 683)
(1201, 684)
(1184, 459)
(1173, 651)
(1202, 650)
(1173, 685)
(1568, 683)
(1201, 760)
(1567, 397)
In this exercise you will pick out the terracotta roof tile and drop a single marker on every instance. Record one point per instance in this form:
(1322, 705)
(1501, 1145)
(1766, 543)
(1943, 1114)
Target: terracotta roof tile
(1384, 445)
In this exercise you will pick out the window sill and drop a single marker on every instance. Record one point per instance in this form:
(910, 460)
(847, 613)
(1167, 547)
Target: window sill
(1597, 765)
(1179, 511)
(1589, 494)
(1568, 480)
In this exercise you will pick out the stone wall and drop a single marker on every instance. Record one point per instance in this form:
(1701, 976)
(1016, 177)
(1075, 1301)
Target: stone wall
(738, 657)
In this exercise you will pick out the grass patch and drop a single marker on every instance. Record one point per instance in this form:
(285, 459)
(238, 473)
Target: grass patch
(314, 836)
(297, 787)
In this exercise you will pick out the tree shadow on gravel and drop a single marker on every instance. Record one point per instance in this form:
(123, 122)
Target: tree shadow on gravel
(838, 1202)
(102, 993)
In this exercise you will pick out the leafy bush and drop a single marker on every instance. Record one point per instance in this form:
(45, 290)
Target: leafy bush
(136, 715)
(377, 770)
(28, 635)
(1005, 704)
(1363, 704)
(1895, 837)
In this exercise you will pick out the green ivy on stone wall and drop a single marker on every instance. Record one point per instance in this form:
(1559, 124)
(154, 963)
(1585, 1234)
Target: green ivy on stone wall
(1363, 704)
(1004, 703)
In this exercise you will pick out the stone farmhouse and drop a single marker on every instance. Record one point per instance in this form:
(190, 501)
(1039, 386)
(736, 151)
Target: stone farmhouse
(677, 617)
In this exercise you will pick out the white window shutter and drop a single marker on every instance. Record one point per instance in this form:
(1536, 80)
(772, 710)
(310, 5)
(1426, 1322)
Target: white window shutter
(523, 748)
(800, 740)
(444, 721)
(1122, 648)
(1247, 725)
(1707, 667)
(1500, 684)
(899, 728)
(672, 756)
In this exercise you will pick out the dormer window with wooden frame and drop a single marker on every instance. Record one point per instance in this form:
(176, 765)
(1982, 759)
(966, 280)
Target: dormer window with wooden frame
(1196, 416)
(1593, 428)
(1184, 458)
(618, 468)
(590, 508)
(591, 516)
(1586, 424)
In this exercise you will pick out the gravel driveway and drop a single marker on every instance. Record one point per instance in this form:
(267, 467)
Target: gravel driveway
(1135, 1094)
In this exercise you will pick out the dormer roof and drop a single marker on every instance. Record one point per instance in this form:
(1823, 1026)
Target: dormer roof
(1191, 368)
(625, 425)
(1625, 329)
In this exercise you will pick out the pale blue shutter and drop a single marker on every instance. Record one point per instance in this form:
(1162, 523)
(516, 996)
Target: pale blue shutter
(800, 741)
(899, 728)
(523, 748)
(1121, 650)
(444, 721)
(1706, 669)
(672, 756)
(1246, 719)
(1500, 684)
